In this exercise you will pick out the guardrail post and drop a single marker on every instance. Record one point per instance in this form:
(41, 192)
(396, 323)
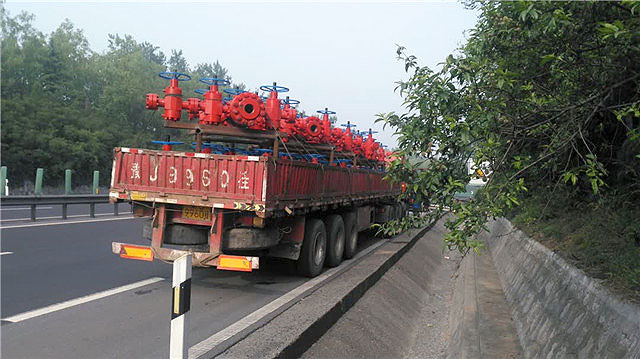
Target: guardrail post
(67, 190)
(37, 190)
(3, 179)
(96, 181)
(67, 181)
(38, 185)
(181, 303)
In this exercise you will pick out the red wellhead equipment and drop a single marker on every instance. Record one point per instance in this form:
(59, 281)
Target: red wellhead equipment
(370, 147)
(172, 102)
(247, 110)
(212, 108)
(356, 145)
(348, 136)
(273, 104)
(326, 124)
(271, 114)
(288, 121)
(310, 128)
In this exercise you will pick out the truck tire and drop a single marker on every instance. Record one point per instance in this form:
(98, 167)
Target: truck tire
(350, 234)
(314, 248)
(335, 240)
(397, 211)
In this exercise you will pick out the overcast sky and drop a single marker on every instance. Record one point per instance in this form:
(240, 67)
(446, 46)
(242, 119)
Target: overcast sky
(336, 55)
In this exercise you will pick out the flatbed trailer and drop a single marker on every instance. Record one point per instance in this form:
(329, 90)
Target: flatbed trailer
(230, 210)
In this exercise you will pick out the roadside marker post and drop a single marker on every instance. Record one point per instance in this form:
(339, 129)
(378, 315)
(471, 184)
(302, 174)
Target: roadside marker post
(180, 305)
(67, 181)
(94, 190)
(37, 190)
(3, 180)
(38, 185)
(96, 181)
(67, 190)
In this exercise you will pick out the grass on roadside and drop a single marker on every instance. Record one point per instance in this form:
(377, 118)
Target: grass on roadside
(601, 239)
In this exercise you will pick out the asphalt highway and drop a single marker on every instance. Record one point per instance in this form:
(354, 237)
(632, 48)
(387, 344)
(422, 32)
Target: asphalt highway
(65, 295)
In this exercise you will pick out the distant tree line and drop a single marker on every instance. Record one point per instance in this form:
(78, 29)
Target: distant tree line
(65, 106)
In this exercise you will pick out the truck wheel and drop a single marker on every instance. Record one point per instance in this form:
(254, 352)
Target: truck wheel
(314, 248)
(335, 240)
(350, 234)
(398, 211)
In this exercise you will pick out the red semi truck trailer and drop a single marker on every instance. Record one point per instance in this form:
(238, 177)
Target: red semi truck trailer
(230, 210)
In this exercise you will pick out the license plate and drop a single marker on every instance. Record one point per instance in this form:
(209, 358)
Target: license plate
(138, 196)
(197, 213)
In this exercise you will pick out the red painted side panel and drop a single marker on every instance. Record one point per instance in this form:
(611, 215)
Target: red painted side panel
(218, 176)
(299, 181)
(248, 179)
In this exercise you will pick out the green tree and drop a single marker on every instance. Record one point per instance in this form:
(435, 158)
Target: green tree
(542, 95)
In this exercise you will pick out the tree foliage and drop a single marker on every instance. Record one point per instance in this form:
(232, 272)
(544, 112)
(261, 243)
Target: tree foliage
(543, 94)
(65, 106)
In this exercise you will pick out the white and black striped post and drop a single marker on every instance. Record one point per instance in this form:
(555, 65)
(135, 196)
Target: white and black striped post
(180, 307)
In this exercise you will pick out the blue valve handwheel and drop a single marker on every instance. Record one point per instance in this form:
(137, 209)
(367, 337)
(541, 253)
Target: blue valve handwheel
(326, 112)
(291, 101)
(275, 88)
(214, 81)
(174, 76)
(167, 142)
(233, 91)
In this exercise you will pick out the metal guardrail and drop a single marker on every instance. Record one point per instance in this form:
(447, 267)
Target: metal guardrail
(64, 200)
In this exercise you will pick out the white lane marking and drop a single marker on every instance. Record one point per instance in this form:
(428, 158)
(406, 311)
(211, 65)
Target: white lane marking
(5, 253)
(60, 217)
(22, 209)
(218, 338)
(65, 222)
(73, 302)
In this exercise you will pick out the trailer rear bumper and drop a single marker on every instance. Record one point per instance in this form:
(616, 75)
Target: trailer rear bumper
(200, 259)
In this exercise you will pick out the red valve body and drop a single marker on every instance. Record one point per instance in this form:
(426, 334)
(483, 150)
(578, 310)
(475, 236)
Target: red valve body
(310, 128)
(326, 128)
(356, 145)
(273, 110)
(288, 121)
(172, 101)
(337, 138)
(211, 108)
(247, 110)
